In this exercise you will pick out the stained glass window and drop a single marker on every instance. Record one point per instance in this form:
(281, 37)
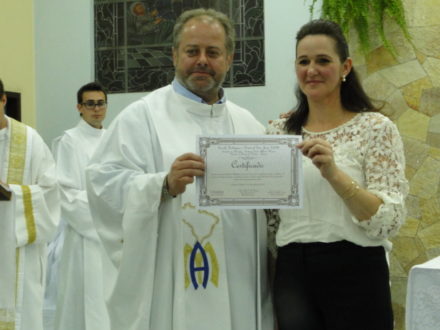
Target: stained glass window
(133, 42)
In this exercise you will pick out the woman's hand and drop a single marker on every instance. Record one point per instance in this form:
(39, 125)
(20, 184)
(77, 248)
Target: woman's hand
(321, 154)
(362, 204)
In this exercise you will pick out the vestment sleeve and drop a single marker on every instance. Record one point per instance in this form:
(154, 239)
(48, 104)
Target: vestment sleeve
(71, 178)
(36, 205)
(385, 177)
(124, 180)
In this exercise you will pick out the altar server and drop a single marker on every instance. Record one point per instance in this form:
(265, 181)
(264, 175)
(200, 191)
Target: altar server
(80, 296)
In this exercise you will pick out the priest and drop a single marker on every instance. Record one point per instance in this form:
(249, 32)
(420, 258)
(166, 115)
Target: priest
(29, 213)
(178, 267)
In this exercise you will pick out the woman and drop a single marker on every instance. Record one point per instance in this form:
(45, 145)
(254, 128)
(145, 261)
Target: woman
(331, 270)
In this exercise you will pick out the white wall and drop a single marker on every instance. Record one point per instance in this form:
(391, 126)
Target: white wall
(64, 62)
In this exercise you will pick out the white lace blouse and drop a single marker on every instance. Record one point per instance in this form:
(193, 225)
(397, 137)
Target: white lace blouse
(369, 149)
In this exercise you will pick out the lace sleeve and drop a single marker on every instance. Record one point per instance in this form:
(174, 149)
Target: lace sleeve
(276, 127)
(385, 177)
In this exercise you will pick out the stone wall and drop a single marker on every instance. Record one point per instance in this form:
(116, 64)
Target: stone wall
(410, 86)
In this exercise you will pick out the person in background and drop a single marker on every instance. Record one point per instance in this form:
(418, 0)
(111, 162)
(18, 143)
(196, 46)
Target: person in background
(29, 215)
(142, 197)
(331, 269)
(80, 302)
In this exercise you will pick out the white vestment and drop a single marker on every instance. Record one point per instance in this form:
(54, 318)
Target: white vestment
(26, 164)
(152, 243)
(54, 250)
(80, 299)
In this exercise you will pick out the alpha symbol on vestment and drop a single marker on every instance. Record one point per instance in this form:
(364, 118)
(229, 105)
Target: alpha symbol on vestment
(202, 265)
(200, 261)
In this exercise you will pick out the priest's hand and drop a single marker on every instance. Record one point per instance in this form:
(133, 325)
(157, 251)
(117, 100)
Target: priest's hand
(182, 172)
(283, 115)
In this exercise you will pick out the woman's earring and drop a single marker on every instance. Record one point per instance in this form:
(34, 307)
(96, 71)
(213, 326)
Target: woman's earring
(343, 78)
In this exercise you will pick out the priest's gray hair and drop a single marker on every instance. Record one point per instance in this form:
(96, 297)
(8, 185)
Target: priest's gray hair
(214, 15)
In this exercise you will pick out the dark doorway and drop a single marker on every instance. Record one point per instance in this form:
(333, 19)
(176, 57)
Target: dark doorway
(13, 105)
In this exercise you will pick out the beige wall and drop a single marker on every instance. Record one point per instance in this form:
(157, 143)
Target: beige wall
(410, 86)
(17, 56)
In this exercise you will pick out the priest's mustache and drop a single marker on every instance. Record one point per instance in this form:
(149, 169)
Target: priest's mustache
(211, 72)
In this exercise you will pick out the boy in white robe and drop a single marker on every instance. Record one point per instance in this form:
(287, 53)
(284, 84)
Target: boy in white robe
(80, 299)
(139, 183)
(29, 213)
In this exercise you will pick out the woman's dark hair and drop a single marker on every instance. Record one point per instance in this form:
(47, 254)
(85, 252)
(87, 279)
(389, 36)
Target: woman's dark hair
(353, 96)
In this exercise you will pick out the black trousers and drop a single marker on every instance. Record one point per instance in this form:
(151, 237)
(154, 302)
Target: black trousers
(332, 286)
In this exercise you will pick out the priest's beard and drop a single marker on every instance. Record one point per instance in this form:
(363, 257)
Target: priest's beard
(202, 86)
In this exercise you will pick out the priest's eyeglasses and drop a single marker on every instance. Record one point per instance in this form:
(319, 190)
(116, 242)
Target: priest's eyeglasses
(90, 105)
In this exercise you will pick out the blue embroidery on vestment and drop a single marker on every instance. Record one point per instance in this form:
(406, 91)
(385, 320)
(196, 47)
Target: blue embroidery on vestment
(193, 268)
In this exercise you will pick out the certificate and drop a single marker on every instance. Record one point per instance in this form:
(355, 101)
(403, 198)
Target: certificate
(250, 172)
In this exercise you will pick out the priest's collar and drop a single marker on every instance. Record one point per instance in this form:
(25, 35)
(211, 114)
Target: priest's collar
(89, 129)
(3, 132)
(4, 129)
(180, 89)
